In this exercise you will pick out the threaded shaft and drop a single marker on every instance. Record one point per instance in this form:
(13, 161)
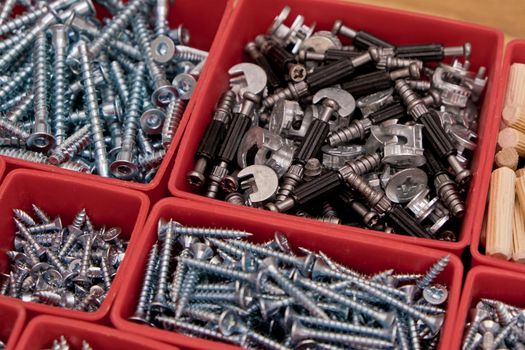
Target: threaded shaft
(24, 217)
(48, 297)
(24, 20)
(24, 155)
(41, 84)
(188, 286)
(218, 270)
(15, 100)
(153, 160)
(13, 130)
(355, 131)
(174, 115)
(165, 261)
(210, 232)
(363, 165)
(433, 272)
(71, 146)
(119, 81)
(6, 10)
(60, 44)
(149, 280)
(119, 22)
(126, 49)
(415, 106)
(91, 104)
(376, 200)
(172, 323)
(133, 109)
(187, 53)
(178, 276)
(291, 180)
(20, 77)
(21, 109)
(143, 34)
(8, 43)
(78, 165)
(448, 192)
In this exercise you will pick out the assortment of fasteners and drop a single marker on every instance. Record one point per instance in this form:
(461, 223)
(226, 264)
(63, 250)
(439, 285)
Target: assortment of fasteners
(62, 344)
(96, 97)
(70, 267)
(265, 296)
(495, 325)
(505, 225)
(288, 137)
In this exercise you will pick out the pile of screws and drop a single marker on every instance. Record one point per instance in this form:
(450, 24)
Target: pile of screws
(495, 325)
(288, 137)
(264, 296)
(70, 267)
(62, 344)
(91, 96)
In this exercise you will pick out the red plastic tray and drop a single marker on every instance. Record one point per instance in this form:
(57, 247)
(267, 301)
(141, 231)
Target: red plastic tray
(515, 53)
(394, 26)
(202, 18)
(41, 332)
(487, 282)
(66, 196)
(366, 254)
(12, 319)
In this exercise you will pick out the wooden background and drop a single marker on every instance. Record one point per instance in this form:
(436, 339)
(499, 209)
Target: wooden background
(506, 15)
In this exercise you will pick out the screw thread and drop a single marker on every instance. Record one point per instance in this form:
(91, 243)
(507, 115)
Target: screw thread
(413, 334)
(174, 115)
(188, 286)
(345, 326)
(60, 90)
(48, 297)
(133, 111)
(171, 323)
(433, 272)
(149, 280)
(119, 81)
(291, 180)
(79, 166)
(224, 248)
(24, 155)
(14, 101)
(187, 53)
(126, 49)
(218, 270)
(448, 192)
(91, 103)
(71, 146)
(67, 245)
(161, 14)
(178, 276)
(24, 217)
(266, 342)
(354, 131)
(215, 287)
(119, 22)
(153, 160)
(13, 130)
(365, 164)
(6, 10)
(106, 278)
(143, 34)
(20, 77)
(376, 200)
(55, 261)
(11, 41)
(210, 232)
(21, 108)
(41, 214)
(90, 299)
(24, 20)
(165, 261)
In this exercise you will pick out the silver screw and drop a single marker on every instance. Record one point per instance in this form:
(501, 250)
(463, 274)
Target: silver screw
(140, 314)
(60, 42)
(91, 102)
(123, 166)
(433, 272)
(174, 115)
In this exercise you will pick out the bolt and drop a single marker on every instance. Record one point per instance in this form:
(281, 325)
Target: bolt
(60, 44)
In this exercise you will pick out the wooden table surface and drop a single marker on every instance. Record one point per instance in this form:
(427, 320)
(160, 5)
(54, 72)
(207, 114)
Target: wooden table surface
(506, 15)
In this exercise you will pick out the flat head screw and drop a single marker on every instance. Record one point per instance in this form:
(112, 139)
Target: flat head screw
(140, 314)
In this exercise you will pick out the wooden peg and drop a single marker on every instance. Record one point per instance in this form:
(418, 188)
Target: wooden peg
(515, 94)
(512, 138)
(508, 157)
(501, 213)
(520, 172)
(518, 235)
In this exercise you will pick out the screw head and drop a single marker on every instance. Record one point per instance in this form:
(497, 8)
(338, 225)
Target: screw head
(41, 141)
(163, 95)
(124, 169)
(152, 120)
(163, 49)
(185, 84)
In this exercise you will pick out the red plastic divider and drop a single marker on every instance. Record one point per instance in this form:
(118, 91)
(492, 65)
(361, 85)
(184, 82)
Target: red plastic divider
(41, 332)
(12, 320)
(487, 282)
(202, 18)
(65, 196)
(515, 53)
(365, 254)
(254, 17)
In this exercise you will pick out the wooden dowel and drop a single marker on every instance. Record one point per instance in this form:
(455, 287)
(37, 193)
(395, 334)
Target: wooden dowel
(501, 213)
(512, 138)
(520, 172)
(518, 235)
(515, 94)
(508, 157)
